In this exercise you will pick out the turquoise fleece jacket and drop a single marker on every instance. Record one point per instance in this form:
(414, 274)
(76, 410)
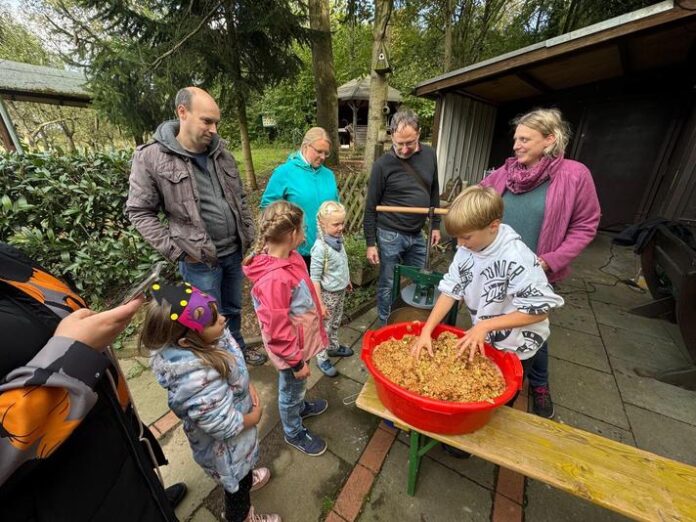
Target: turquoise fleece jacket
(298, 182)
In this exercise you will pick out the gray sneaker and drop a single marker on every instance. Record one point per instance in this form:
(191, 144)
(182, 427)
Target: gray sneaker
(254, 358)
(308, 443)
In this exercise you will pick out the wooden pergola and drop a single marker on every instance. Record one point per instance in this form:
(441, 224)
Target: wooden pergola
(38, 84)
(356, 95)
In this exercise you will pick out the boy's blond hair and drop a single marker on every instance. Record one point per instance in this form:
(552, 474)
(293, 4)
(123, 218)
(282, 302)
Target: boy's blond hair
(474, 209)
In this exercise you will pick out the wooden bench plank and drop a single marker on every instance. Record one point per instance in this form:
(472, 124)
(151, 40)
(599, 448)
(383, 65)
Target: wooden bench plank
(631, 481)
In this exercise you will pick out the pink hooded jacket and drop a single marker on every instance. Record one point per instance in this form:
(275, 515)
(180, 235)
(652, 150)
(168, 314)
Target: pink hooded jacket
(571, 215)
(286, 306)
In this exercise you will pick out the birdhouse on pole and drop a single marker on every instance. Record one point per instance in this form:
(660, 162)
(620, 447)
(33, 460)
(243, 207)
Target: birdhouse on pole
(382, 66)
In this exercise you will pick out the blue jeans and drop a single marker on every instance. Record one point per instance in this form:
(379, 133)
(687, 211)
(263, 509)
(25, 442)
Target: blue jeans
(291, 393)
(224, 283)
(395, 248)
(537, 369)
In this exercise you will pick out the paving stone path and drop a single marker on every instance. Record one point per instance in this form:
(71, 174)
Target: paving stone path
(595, 347)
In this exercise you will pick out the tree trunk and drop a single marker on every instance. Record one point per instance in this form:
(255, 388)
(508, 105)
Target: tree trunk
(464, 29)
(448, 43)
(324, 76)
(238, 95)
(246, 144)
(490, 18)
(378, 85)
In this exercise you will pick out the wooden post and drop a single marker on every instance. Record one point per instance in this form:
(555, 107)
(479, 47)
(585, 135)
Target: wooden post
(7, 131)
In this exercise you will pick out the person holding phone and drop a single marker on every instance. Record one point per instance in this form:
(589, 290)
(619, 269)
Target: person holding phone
(187, 172)
(71, 444)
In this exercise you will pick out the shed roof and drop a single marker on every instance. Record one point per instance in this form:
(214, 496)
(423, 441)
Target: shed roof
(38, 83)
(657, 36)
(359, 89)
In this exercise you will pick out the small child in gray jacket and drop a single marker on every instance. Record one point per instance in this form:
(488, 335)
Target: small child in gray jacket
(331, 278)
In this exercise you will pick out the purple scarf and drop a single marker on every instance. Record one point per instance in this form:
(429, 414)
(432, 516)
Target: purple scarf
(521, 179)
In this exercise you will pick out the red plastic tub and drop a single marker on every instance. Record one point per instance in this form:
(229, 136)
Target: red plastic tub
(434, 415)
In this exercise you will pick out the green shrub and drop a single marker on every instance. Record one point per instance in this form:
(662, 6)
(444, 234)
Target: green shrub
(355, 249)
(66, 212)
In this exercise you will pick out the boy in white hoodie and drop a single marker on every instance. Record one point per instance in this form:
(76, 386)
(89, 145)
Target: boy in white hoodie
(497, 276)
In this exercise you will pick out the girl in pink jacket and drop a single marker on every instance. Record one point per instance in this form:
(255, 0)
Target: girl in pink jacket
(287, 308)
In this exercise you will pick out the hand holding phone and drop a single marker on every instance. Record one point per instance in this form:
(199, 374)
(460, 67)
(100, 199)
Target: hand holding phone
(142, 285)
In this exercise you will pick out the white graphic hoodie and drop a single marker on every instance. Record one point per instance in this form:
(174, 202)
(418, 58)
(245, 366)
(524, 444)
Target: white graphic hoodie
(504, 277)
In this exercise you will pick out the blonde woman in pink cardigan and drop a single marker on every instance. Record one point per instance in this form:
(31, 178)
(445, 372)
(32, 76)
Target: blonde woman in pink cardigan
(552, 203)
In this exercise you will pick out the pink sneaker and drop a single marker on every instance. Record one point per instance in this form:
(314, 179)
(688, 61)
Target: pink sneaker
(266, 517)
(260, 477)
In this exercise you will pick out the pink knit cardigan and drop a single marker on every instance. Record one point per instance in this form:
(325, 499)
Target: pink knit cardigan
(571, 215)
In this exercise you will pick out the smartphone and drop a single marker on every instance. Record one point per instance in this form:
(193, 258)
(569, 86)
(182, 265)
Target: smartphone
(142, 285)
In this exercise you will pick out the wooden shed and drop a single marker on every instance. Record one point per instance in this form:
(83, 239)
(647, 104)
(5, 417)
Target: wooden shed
(627, 87)
(38, 84)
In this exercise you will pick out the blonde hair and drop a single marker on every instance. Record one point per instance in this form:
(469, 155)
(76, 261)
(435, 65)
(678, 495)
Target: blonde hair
(548, 122)
(326, 209)
(160, 331)
(313, 135)
(474, 209)
(277, 221)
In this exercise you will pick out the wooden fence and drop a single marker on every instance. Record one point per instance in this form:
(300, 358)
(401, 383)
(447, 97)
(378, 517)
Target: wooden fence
(352, 187)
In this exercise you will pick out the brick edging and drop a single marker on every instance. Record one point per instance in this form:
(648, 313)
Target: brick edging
(164, 424)
(352, 496)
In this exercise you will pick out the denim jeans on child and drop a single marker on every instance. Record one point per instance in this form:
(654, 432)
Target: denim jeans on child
(395, 248)
(224, 283)
(291, 394)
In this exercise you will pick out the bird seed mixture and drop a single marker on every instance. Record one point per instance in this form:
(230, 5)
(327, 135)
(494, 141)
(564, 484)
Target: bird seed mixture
(444, 376)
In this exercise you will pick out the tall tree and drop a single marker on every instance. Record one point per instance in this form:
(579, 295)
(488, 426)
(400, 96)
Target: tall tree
(324, 75)
(374, 142)
(231, 47)
(448, 13)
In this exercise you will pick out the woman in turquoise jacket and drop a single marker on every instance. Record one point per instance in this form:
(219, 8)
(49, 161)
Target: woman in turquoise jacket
(305, 181)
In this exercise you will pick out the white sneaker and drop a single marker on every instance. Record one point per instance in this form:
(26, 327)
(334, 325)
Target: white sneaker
(266, 517)
(260, 477)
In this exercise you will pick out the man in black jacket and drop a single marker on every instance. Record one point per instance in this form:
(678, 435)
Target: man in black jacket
(406, 176)
(71, 445)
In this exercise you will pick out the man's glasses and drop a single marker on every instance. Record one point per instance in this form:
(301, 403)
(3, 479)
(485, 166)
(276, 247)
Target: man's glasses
(322, 153)
(407, 144)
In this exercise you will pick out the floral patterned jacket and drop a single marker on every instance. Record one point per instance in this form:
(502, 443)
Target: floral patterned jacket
(212, 410)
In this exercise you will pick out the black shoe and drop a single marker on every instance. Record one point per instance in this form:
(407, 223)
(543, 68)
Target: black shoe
(455, 452)
(176, 493)
(254, 358)
(542, 405)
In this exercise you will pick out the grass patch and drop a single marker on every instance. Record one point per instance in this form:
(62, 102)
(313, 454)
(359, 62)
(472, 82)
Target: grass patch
(265, 157)
(327, 505)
